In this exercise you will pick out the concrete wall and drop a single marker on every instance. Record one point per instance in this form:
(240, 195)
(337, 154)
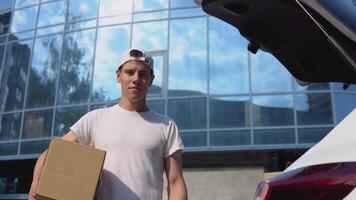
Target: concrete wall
(221, 183)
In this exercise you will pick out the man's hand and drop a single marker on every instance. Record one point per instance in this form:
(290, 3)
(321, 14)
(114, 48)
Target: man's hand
(31, 194)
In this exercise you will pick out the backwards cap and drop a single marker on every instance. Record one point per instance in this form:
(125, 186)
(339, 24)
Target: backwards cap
(138, 55)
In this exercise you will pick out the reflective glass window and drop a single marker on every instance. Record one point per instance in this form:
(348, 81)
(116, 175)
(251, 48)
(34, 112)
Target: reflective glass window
(24, 19)
(111, 43)
(147, 16)
(274, 136)
(182, 3)
(152, 36)
(188, 113)
(81, 25)
(45, 63)
(23, 3)
(156, 105)
(115, 7)
(343, 103)
(2, 52)
(4, 22)
(51, 13)
(34, 147)
(76, 67)
(144, 5)
(230, 138)
(82, 9)
(339, 87)
(157, 85)
(21, 36)
(121, 19)
(14, 75)
(7, 149)
(229, 112)
(314, 108)
(37, 124)
(187, 12)
(5, 4)
(268, 74)
(194, 139)
(50, 30)
(272, 110)
(312, 86)
(187, 57)
(10, 126)
(312, 135)
(66, 117)
(228, 68)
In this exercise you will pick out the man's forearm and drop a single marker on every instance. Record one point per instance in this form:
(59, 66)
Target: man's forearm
(38, 167)
(177, 191)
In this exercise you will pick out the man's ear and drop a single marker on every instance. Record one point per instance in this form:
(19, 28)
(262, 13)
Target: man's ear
(118, 73)
(153, 77)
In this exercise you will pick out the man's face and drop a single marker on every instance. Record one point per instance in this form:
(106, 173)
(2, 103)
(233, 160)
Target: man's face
(135, 78)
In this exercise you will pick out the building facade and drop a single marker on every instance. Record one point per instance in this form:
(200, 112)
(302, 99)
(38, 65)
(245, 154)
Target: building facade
(58, 60)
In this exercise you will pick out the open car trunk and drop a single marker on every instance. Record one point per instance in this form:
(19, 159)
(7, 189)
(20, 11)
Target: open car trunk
(308, 39)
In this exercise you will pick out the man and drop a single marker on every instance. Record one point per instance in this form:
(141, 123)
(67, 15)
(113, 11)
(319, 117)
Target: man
(139, 143)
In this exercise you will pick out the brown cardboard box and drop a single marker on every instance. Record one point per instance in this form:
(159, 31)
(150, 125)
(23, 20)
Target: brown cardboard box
(71, 171)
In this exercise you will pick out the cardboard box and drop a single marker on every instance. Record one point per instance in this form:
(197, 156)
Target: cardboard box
(71, 171)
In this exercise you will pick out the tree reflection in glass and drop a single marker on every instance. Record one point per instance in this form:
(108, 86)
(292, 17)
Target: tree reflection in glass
(76, 67)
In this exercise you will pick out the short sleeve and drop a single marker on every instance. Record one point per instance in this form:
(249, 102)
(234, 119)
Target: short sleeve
(174, 141)
(83, 129)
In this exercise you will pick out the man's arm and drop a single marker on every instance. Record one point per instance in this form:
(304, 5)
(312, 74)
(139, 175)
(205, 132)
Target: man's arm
(176, 189)
(70, 136)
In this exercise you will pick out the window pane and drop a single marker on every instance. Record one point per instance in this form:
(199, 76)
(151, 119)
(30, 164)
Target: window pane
(34, 147)
(24, 19)
(182, 3)
(21, 36)
(228, 68)
(147, 16)
(312, 86)
(45, 62)
(141, 5)
(343, 104)
(37, 124)
(312, 135)
(276, 110)
(156, 105)
(339, 87)
(187, 57)
(76, 67)
(82, 9)
(10, 126)
(314, 108)
(14, 75)
(156, 87)
(187, 12)
(228, 112)
(230, 138)
(111, 43)
(5, 4)
(66, 117)
(22, 3)
(268, 75)
(50, 30)
(81, 25)
(115, 7)
(8, 149)
(51, 13)
(152, 36)
(194, 139)
(188, 113)
(4, 22)
(274, 136)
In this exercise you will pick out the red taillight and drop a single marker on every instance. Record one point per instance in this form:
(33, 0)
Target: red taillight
(262, 191)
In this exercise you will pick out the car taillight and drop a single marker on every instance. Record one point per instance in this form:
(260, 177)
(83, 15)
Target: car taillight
(262, 191)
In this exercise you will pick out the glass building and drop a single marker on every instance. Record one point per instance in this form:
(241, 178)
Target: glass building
(58, 60)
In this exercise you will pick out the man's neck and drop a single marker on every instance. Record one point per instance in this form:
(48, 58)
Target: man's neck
(134, 107)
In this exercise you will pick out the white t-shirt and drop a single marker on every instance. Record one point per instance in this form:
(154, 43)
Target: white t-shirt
(135, 144)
